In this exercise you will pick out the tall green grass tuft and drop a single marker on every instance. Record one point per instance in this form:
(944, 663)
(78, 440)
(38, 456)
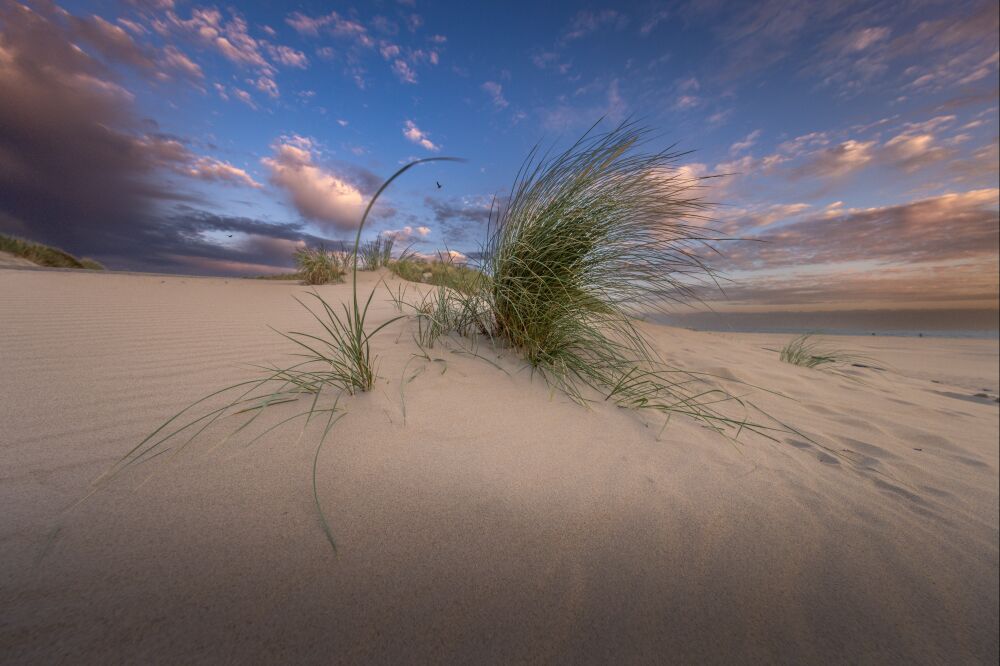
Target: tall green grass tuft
(376, 253)
(318, 266)
(806, 351)
(589, 239)
(44, 255)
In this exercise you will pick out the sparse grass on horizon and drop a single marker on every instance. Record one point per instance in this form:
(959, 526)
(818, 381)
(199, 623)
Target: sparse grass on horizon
(806, 351)
(318, 266)
(44, 255)
(439, 272)
(376, 253)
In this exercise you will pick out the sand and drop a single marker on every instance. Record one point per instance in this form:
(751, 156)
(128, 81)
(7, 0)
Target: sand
(500, 522)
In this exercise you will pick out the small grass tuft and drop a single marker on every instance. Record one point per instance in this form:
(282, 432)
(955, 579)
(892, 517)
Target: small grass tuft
(806, 351)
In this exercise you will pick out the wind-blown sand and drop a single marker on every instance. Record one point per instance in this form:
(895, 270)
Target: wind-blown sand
(501, 522)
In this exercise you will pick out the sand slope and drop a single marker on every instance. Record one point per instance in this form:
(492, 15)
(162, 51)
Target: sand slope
(500, 522)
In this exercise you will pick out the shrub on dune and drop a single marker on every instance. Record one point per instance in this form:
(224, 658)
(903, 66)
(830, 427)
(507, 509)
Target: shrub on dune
(376, 253)
(318, 266)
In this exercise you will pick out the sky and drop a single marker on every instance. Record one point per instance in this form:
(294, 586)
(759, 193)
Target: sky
(854, 144)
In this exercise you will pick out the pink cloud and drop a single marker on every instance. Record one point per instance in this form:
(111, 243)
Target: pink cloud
(317, 193)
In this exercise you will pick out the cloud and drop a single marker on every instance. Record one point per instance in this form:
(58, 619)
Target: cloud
(80, 170)
(746, 143)
(244, 97)
(963, 44)
(419, 137)
(945, 286)
(267, 85)
(174, 59)
(71, 170)
(950, 227)
(742, 222)
(462, 219)
(910, 151)
(863, 38)
(317, 193)
(208, 28)
(288, 56)
(408, 234)
(495, 91)
(211, 169)
(655, 17)
(332, 24)
(837, 161)
(194, 241)
(111, 41)
(550, 60)
(403, 71)
(171, 153)
(587, 22)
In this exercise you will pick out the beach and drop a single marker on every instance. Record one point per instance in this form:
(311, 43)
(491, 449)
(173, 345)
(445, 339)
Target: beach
(479, 515)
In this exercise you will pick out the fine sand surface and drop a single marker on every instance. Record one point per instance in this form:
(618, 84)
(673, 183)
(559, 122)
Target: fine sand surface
(500, 522)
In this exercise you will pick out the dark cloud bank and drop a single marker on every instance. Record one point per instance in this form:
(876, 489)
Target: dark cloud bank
(80, 170)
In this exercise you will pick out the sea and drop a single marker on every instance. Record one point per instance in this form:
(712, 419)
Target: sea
(957, 323)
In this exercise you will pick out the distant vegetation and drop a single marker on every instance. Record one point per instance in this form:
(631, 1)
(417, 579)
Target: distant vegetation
(43, 255)
(375, 254)
(319, 266)
(442, 272)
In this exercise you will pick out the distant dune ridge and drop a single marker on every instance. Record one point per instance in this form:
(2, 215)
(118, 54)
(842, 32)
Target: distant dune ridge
(16, 251)
(500, 522)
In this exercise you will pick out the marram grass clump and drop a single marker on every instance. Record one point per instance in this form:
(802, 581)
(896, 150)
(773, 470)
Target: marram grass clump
(376, 253)
(318, 266)
(589, 239)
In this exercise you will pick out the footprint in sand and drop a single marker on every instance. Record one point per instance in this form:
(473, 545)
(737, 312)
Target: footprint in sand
(822, 456)
(875, 452)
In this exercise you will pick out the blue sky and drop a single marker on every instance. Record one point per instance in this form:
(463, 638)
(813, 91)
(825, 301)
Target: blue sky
(859, 139)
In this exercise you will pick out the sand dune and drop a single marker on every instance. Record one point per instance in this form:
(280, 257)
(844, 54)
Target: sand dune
(497, 521)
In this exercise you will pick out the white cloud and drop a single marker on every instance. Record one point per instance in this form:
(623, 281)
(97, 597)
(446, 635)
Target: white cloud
(404, 72)
(418, 136)
(288, 56)
(495, 91)
(407, 234)
(746, 144)
(317, 193)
